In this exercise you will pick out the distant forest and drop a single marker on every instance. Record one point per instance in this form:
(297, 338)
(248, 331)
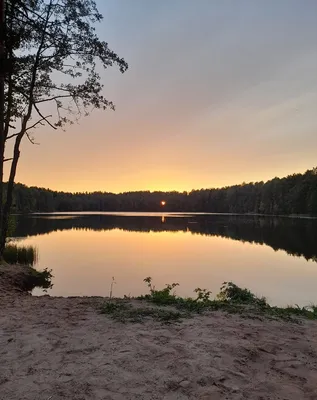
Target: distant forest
(295, 194)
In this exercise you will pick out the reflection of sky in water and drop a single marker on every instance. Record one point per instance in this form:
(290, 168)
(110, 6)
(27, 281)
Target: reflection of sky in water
(84, 261)
(54, 216)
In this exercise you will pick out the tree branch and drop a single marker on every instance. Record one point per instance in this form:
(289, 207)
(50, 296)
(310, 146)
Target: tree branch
(38, 122)
(11, 136)
(53, 98)
(30, 139)
(42, 116)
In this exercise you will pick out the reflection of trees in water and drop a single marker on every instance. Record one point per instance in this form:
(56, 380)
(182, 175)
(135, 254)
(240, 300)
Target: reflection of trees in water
(297, 237)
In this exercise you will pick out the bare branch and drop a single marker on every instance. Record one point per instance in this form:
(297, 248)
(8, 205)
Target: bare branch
(42, 116)
(31, 139)
(7, 159)
(53, 98)
(11, 136)
(39, 122)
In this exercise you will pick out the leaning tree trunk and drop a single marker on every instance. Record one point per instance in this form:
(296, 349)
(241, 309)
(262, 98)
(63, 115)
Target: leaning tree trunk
(9, 196)
(2, 133)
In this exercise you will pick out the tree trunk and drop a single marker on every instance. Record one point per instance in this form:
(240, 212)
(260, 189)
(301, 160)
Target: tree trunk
(2, 133)
(9, 196)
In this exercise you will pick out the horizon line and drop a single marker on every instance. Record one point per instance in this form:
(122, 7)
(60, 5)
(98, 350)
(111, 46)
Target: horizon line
(166, 191)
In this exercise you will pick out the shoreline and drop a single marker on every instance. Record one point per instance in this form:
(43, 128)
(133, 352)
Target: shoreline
(64, 348)
(168, 213)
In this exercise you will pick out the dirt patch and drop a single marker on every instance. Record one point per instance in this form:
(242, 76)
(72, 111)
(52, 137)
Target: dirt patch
(63, 348)
(12, 280)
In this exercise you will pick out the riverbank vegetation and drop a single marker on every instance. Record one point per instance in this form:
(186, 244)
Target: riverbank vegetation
(295, 194)
(23, 279)
(15, 254)
(18, 273)
(164, 305)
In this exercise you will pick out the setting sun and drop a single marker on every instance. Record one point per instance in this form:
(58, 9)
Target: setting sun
(163, 203)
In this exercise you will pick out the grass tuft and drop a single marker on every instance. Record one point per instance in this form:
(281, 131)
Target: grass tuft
(26, 255)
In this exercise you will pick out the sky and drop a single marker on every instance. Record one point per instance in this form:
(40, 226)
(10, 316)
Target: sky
(217, 93)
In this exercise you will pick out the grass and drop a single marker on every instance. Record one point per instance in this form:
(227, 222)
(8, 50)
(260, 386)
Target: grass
(30, 278)
(14, 254)
(169, 307)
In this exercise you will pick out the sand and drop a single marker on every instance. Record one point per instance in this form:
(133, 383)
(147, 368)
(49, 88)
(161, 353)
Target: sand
(62, 348)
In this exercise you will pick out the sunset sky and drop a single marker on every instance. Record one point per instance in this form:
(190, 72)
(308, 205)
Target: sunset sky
(217, 92)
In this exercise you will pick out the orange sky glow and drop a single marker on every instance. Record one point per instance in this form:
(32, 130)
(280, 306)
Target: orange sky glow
(214, 95)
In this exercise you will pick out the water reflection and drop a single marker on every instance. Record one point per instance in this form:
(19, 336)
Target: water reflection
(298, 237)
(86, 251)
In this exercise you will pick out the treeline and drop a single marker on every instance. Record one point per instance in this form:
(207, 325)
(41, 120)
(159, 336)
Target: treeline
(295, 194)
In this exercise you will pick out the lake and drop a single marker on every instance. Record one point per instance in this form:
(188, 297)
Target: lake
(274, 257)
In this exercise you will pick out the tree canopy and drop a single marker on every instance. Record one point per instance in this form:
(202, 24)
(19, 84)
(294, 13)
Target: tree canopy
(295, 194)
(51, 58)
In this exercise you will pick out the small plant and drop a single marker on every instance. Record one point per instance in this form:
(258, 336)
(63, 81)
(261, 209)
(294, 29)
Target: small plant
(232, 293)
(203, 295)
(160, 297)
(111, 287)
(309, 312)
(167, 297)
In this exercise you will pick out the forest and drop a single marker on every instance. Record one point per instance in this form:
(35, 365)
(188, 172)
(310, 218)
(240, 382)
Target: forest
(294, 194)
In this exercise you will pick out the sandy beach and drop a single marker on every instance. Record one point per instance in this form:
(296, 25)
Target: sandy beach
(63, 348)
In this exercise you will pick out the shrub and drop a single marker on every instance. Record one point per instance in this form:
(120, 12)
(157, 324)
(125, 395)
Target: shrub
(233, 293)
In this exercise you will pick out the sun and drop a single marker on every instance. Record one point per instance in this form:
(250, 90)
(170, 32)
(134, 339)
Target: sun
(163, 203)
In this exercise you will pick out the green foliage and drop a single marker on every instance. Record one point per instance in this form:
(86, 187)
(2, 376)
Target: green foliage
(203, 295)
(309, 312)
(14, 254)
(231, 299)
(233, 293)
(163, 296)
(38, 279)
(167, 296)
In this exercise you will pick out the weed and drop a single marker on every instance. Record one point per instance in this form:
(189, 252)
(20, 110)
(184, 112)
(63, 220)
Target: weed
(233, 293)
(111, 287)
(160, 297)
(202, 295)
(231, 299)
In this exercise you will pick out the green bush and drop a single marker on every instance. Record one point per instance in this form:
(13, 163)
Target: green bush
(233, 293)
(231, 298)
(36, 279)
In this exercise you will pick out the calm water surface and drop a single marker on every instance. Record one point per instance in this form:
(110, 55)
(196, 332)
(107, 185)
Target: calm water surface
(275, 257)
